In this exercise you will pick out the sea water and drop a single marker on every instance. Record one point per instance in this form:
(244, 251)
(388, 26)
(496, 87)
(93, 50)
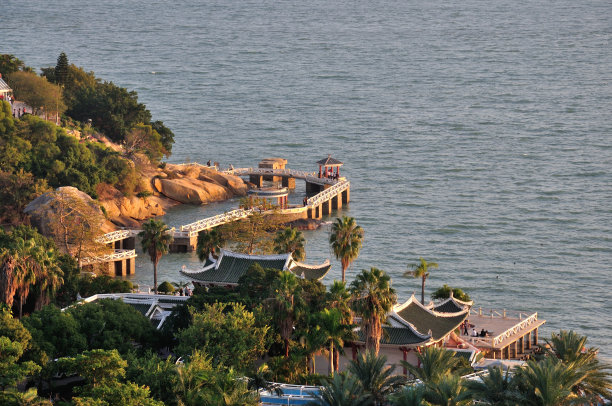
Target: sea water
(475, 134)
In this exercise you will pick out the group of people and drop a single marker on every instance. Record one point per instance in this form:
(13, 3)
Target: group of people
(329, 176)
(465, 326)
(18, 113)
(186, 292)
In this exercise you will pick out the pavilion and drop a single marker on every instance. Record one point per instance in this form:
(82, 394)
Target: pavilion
(5, 90)
(230, 266)
(329, 167)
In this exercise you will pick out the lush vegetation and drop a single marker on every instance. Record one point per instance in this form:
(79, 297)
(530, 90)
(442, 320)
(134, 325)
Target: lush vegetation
(37, 155)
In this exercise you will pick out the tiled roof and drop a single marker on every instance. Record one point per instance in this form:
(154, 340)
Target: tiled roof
(452, 305)
(316, 272)
(396, 336)
(231, 266)
(143, 308)
(329, 161)
(425, 320)
(4, 87)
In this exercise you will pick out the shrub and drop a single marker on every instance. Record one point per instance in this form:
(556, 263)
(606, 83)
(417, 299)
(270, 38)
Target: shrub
(166, 288)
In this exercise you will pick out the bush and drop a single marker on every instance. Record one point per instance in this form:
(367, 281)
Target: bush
(444, 293)
(165, 287)
(144, 194)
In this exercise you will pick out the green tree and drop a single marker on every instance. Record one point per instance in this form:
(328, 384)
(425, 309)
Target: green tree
(448, 391)
(445, 291)
(409, 396)
(111, 324)
(345, 240)
(290, 240)
(30, 397)
(287, 304)
(118, 394)
(12, 371)
(155, 241)
(549, 382)
(421, 270)
(227, 332)
(159, 374)
(166, 288)
(494, 388)
(209, 243)
(376, 378)
(342, 390)
(17, 189)
(97, 367)
(37, 92)
(335, 332)
(436, 362)
(55, 333)
(339, 298)
(61, 70)
(571, 349)
(7, 123)
(142, 138)
(373, 299)
(9, 64)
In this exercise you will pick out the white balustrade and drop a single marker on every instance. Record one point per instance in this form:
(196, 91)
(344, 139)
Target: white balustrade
(117, 255)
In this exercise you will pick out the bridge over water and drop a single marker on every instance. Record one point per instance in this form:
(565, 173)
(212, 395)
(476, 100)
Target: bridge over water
(329, 194)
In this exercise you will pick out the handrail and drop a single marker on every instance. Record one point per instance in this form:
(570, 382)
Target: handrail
(308, 176)
(328, 193)
(513, 330)
(117, 254)
(116, 235)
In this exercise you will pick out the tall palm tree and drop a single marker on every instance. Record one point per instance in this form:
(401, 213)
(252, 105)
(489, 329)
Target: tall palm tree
(421, 270)
(209, 243)
(330, 321)
(290, 240)
(549, 382)
(155, 241)
(448, 391)
(345, 240)
(338, 297)
(435, 363)
(570, 348)
(342, 390)
(312, 339)
(28, 257)
(8, 278)
(375, 377)
(373, 298)
(49, 277)
(287, 304)
(494, 388)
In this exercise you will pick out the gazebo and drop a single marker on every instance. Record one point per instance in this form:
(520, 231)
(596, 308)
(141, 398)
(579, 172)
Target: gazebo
(5, 90)
(329, 167)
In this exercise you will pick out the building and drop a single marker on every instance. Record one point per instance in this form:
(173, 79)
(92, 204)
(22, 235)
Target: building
(230, 266)
(5, 90)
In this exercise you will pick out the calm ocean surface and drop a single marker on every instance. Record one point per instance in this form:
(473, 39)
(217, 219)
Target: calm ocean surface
(475, 134)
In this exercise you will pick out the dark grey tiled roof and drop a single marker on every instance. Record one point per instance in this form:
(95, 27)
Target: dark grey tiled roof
(448, 307)
(329, 161)
(425, 320)
(396, 336)
(311, 272)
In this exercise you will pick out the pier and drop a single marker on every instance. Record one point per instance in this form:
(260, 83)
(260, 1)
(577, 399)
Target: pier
(328, 191)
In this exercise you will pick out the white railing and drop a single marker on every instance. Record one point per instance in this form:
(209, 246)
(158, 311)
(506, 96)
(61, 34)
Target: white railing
(214, 221)
(116, 236)
(327, 194)
(514, 330)
(117, 255)
(308, 176)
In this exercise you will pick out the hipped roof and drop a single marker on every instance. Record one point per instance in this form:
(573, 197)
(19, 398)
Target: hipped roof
(329, 161)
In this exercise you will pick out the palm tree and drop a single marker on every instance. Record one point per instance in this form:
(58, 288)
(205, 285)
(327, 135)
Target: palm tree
(49, 277)
(421, 270)
(290, 240)
(27, 263)
(342, 390)
(448, 391)
(287, 304)
(209, 243)
(339, 298)
(570, 348)
(494, 388)
(330, 321)
(8, 279)
(155, 241)
(312, 339)
(409, 396)
(375, 377)
(435, 363)
(373, 298)
(549, 382)
(345, 240)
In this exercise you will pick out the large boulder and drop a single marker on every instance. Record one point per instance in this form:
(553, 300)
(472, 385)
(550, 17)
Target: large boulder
(44, 210)
(191, 191)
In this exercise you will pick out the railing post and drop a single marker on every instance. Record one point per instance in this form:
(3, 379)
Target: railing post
(504, 313)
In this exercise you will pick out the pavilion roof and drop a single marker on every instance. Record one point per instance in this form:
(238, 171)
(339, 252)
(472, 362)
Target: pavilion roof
(398, 336)
(230, 266)
(4, 87)
(425, 320)
(451, 305)
(329, 161)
